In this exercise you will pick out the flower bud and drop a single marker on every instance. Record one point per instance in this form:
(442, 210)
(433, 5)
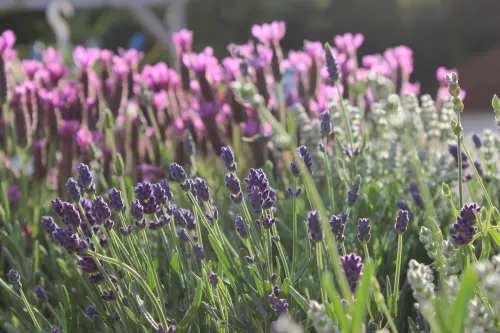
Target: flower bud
(496, 104)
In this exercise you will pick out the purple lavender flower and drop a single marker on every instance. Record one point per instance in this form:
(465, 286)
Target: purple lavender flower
(233, 185)
(108, 224)
(179, 218)
(177, 173)
(189, 218)
(87, 264)
(125, 232)
(295, 170)
(70, 215)
(103, 241)
(453, 149)
(402, 221)
(404, 206)
(183, 235)
(479, 167)
(57, 206)
(417, 195)
(306, 157)
(91, 312)
(213, 279)
(116, 200)
(202, 190)
(115, 317)
(364, 234)
(249, 259)
(268, 222)
(279, 306)
(326, 123)
(40, 293)
(316, 233)
(353, 269)
(228, 158)
(166, 187)
(108, 296)
(331, 64)
(14, 278)
(137, 210)
(477, 140)
(160, 194)
(100, 210)
(199, 253)
(141, 224)
(353, 193)
(48, 224)
(85, 178)
(337, 225)
(73, 190)
(261, 195)
(464, 229)
(240, 227)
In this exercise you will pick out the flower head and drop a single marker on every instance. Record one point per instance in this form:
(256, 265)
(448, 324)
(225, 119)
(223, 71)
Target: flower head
(353, 268)
(364, 234)
(316, 233)
(464, 229)
(306, 157)
(91, 312)
(417, 195)
(116, 200)
(40, 293)
(73, 190)
(331, 64)
(337, 225)
(100, 210)
(199, 253)
(14, 278)
(177, 173)
(202, 189)
(269, 33)
(228, 158)
(402, 221)
(183, 40)
(213, 279)
(326, 123)
(240, 227)
(137, 210)
(353, 193)
(85, 178)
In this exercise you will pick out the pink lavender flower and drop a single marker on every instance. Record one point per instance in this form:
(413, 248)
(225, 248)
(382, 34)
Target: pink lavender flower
(353, 269)
(349, 43)
(301, 61)
(262, 58)
(269, 33)
(132, 57)
(183, 40)
(51, 55)
(314, 50)
(411, 88)
(85, 58)
(31, 67)
(199, 62)
(84, 138)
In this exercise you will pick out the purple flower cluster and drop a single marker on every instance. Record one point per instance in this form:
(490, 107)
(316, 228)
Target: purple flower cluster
(293, 167)
(100, 210)
(306, 157)
(453, 149)
(213, 279)
(261, 195)
(364, 234)
(326, 123)
(353, 269)
(402, 221)
(144, 194)
(116, 200)
(240, 227)
(316, 233)
(417, 195)
(228, 158)
(199, 253)
(353, 193)
(202, 189)
(279, 306)
(162, 221)
(73, 190)
(233, 185)
(337, 225)
(464, 229)
(14, 278)
(40, 293)
(177, 173)
(85, 178)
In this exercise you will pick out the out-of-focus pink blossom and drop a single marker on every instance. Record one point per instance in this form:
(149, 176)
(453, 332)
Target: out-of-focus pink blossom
(199, 125)
(158, 77)
(183, 40)
(39, 145)
(83, 138)
(120, 67)
(224, 114)
(441, 74)
(31, 67)
(232, 68)
(400, 56)
(263, 57)
(7, 41)
(105, 56)
(245, 50)
(159, 100)
(199, 62)
(13, 194)
(68, 128)
(56, 72)
(411, 88)
(315, 50)
(85, 58)
(51, 55)
(301, 61)
(349, 43)
(195, 86)
(443, 94)
(132, 57)
(325, 94)
(377, 63)
(269, 33)
(253, 127)
(178, 126)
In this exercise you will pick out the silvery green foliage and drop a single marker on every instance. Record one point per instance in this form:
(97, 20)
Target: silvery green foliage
(429, 116)
(479, 319)
(443, 170)
(451, 264)
(414, 121)
(489, 277)
(378, 116)
(420, 278)
(381, 86)
(426, 237)
(445, 116)
(336, 114)
(488, 147)
(354, 116)
(321, 322)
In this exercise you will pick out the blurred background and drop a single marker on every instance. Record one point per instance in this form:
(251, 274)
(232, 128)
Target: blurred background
(458, 34)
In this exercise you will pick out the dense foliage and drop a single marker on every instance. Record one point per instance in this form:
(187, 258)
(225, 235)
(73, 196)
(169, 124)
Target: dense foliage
(260, 193)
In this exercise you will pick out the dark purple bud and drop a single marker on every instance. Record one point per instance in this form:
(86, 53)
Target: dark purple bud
(464, 229)
(166, 187)
(326, 123)
(293, 167)
(233, 183)
(87, 264)
(100, 210)
(479, 168)
(125, 232)
(202, 190)
(353, 269)
(290, 192)
(116, 200)
(249, 259)
(179, 218)
(91, 312)
(453, 149)
(268, 222)
(337, 227)
(417, 195)
(115, 317)
(70, 215)
(160, 194)
(73, 190)
(237, 198)
(274, 277)
(177, 173)
(276, 291)
(85, 178)
(48, 224)
(137, 210)
(40, 293)
(108, 296)
(213, 279)
(321, 147)
(228, 158)
(183, 235)
(353, 193)
(57, 206)
(298, 192)
(316, 233)
(141, 224)
(199, 253)
(404, 206)
(103, 241)
(240, 227)
(108, 224)
(331, 64)
(402, 221)
(188, 185)
(477, 140)
(306, 157)
(364, 234)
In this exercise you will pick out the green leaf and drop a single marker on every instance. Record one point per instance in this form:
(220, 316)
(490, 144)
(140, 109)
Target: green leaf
(67, 303)
(362, 298)
(334, 297)
(194, 306)
(299, 299)
(62, 265)
(220, 252)
(151, 278)
(131, 315)
(36, 257)
(4, 201)
(174, 263)
(465, 293)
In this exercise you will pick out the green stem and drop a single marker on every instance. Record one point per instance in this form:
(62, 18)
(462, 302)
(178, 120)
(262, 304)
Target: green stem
(367, 253)
(321, 269)
(295, 241)
(346, 119)
(328, 176)
(281, 99)
(30, 311)
(395, 298)
(459, 153)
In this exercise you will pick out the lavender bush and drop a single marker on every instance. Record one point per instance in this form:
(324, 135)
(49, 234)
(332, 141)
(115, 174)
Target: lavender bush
(231, 196)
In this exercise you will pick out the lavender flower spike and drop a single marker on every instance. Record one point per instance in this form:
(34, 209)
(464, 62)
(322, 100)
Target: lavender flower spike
(326, 123)
(228, 158)
(316, 233)
(177, 173)
(306, 157)
(13, 277)
(353, 269)
(464, 229)
(40, 293)
(331, 64)
(73, 190)
(402, 221)
(353, 193)
(116, 200)
(85, 178)
(240, 227)
(364, 234)
(337, 227)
